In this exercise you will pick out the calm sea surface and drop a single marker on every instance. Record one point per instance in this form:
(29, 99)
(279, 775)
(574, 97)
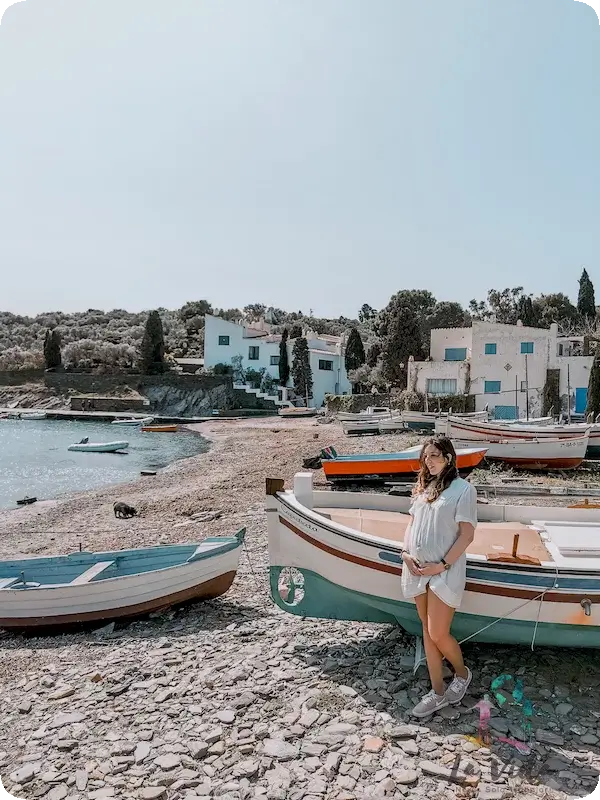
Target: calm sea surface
(34, 459)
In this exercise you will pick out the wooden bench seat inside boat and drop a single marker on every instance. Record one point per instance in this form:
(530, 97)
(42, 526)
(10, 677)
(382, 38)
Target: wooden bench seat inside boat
(91, 573)
(491, 538)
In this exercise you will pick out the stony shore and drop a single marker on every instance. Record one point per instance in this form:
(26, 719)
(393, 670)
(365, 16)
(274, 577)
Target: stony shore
(235, 699)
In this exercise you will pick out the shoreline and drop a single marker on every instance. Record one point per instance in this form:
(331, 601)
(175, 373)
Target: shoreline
(234, 698)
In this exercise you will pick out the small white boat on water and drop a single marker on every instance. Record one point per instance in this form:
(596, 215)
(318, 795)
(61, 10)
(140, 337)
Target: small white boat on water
(98, 447)
(33, 415)
(534, 454)
(133, 422)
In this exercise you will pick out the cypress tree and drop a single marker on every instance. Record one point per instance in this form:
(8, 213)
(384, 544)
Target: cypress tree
(355, 351)
(52, 354)
(593, 395)
(402, 340)
(296, 331)
(526, 312)
(301, 371)
(586, 302)
(284, 364)
(152, 353)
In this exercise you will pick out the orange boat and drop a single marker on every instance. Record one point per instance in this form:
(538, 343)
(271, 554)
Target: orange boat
(381, 467)
(159, 428)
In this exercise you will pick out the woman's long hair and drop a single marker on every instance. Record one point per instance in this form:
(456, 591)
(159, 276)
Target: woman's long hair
(434, 485)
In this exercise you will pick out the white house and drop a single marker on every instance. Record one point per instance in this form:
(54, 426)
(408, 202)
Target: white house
(504, 366)
(224, 340)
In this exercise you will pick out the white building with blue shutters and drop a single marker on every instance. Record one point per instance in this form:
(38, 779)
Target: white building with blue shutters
(504, 366)
(258, 347)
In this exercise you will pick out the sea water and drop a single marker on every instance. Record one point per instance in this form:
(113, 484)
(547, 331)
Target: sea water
(35, 461)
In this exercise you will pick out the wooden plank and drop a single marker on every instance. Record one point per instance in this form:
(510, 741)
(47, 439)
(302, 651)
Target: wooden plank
(91, 573)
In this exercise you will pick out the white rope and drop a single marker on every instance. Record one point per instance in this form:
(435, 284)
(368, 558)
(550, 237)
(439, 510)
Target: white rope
(539, 597)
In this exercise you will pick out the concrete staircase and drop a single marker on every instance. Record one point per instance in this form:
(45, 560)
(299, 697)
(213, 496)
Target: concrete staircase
(273, 398)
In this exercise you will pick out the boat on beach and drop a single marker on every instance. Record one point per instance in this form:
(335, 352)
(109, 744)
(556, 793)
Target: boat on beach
(159, 428)
(98, 447)
(472, 430)
(293, 412)
(368, 415)
(58, 591)
(533, 573)
(133, 422)
(426, 420)
(534, 454)
(381, 467)
(357, 427)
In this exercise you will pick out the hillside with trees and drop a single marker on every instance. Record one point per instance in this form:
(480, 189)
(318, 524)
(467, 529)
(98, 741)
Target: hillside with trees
(380, 342)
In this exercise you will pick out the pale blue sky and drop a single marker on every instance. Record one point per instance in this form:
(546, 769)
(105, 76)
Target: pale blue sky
(303, 153)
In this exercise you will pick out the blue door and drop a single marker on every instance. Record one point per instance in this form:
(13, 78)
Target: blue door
(580, 400)
(506, 412)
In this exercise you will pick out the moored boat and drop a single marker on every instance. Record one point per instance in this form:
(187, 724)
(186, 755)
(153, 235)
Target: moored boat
(473, 430)
(535, 454)
(381, 467)
(32, 415)
(95, 587)
(133, 422)
(159, 428)
(355, 427)
(369, 414)
(426, 420)
(98, 447)
(533, 573)
(291, 412)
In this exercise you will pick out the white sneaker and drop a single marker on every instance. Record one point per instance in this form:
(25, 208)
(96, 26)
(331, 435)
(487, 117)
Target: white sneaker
(458, 688)
(429, 704)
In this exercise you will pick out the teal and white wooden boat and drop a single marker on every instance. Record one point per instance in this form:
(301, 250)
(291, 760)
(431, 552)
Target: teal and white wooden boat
(533, 573)
(82, 587)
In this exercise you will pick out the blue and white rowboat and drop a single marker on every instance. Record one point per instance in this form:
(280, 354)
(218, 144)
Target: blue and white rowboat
(94, 587)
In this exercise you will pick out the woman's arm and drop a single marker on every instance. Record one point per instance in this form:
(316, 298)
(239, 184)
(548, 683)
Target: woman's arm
(466, 534)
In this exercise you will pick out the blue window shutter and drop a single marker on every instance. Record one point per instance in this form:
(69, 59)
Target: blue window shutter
(490, 349)
(527, 347)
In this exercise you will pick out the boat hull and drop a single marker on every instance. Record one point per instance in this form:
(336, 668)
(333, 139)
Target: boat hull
(465, 430)
(326, 599)
(327, 562)
(48, 607)
(544, 455)
(91, 447)
(380, 468)
(159, 428)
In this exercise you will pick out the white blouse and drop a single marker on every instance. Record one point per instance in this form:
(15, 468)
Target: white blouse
(433, 531)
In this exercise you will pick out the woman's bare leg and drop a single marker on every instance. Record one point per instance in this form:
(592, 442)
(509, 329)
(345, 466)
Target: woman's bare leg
(432, 653)
(439, 620)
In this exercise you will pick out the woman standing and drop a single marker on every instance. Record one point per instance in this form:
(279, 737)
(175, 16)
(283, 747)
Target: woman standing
(442, 526)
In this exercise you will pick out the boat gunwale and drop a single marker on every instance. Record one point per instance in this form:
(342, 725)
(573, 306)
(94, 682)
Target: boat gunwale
(289, 499)
(226, 547)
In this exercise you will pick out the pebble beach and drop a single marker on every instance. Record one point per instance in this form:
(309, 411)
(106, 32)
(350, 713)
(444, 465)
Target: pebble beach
(236, 699)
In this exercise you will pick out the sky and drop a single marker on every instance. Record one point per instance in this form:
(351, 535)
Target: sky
(299, 153)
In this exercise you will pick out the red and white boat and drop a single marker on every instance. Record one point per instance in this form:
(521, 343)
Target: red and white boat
(535, 454)
(475, 431)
